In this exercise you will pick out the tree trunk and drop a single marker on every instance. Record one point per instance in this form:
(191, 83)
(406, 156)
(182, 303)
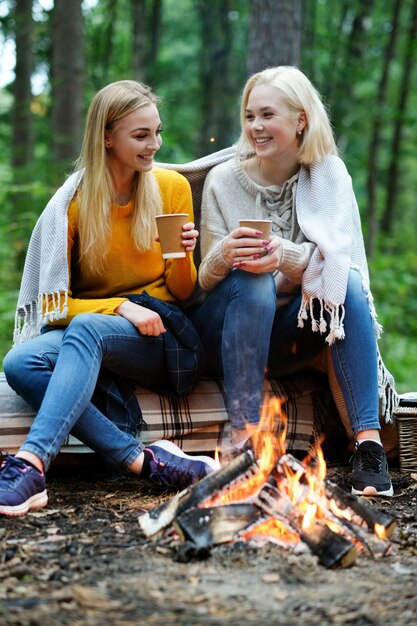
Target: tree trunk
(22, 130)
(337, 51)
(67, 81)
(138, 8)
(357, 43)
(395, 152)
(217, 112)
(309, 37)
(146, 28)
(22, 136)
(375, 142)
(154, 28)
(274, 34)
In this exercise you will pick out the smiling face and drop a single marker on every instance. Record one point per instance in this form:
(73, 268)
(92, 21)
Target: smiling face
(270, 127)
(133, 141)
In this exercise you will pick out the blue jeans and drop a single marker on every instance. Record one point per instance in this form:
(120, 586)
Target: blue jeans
(56, 373)
(244, 335)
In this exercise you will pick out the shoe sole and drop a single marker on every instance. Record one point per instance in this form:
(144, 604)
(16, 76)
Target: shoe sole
(38, 501)
(371, 491)
(174, 449)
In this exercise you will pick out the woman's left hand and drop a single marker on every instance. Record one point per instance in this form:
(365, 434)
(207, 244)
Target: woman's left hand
(268, 262)
(189, 236)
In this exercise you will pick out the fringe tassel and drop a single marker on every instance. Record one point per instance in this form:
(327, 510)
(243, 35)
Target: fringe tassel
(388, 396)
(303, 312)
(30, 318)
(378, 328)
(50, 306)
(337, 316)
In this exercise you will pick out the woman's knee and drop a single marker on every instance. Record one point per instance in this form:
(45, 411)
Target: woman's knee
(81, 322)
(258, 289)
(86, 328)
(356, 296)
(11, 365)
(39, 353)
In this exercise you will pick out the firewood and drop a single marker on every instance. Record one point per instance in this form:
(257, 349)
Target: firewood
(361, 511)
(160, 517)
(332, 549)
(214, 525)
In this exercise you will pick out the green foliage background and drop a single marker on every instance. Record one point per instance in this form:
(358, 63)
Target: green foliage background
(350, 91)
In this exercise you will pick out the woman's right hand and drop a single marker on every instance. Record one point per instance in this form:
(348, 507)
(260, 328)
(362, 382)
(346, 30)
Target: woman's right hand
(243, 244)
(146, 321)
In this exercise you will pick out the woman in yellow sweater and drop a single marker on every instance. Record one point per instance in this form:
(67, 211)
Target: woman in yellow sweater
(92, 255)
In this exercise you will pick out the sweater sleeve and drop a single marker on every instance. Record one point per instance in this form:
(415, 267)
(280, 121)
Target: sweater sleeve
(294, 259)
(213, 268)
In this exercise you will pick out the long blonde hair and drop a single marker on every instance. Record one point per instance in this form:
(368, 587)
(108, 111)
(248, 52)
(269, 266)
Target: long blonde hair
(299, 94)
(96, 193)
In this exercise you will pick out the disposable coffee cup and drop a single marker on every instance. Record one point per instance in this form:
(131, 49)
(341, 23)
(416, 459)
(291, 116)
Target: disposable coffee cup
(263, 225)
(170, 234)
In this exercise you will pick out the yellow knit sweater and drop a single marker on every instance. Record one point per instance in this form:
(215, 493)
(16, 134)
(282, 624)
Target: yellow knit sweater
(126, 269)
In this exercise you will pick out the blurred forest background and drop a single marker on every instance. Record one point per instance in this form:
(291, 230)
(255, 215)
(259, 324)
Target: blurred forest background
(361, 55)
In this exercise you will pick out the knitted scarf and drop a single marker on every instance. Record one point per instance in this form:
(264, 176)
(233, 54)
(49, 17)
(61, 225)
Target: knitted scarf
(45, 279)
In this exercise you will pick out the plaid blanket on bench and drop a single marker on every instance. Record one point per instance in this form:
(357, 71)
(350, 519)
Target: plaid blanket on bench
(195, 422)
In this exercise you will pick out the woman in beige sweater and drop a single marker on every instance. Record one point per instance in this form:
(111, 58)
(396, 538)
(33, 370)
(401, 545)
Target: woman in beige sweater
(275, 304)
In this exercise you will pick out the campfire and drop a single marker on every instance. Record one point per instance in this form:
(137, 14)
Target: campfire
(269, 495)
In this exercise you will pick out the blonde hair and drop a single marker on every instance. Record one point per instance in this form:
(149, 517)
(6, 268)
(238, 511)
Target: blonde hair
(96, 193)
(299, 95)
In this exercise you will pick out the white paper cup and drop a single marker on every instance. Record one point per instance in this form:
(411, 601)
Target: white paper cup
(170, 234)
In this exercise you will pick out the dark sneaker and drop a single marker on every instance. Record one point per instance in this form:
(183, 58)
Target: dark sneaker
(170, 466)
(22, 488)
(370, 476)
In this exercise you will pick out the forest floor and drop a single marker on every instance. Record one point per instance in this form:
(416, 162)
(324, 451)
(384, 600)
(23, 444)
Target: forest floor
(83, 560)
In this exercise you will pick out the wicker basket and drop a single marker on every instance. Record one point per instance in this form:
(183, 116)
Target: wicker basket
(406, 419)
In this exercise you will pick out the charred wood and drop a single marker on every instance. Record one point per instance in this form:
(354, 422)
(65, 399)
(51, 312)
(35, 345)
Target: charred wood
(332, 549)
(361, 511)
(211, 526)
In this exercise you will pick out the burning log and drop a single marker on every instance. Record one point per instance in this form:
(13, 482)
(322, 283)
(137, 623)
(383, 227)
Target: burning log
(361, 512)
(160, 517)
(211, 526)
(331, 548)
(347, 511)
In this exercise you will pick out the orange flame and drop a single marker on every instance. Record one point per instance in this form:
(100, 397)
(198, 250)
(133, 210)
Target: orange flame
(217, 459)
(380, 531)
(301, 485)
(267, 447)
(272, 528)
